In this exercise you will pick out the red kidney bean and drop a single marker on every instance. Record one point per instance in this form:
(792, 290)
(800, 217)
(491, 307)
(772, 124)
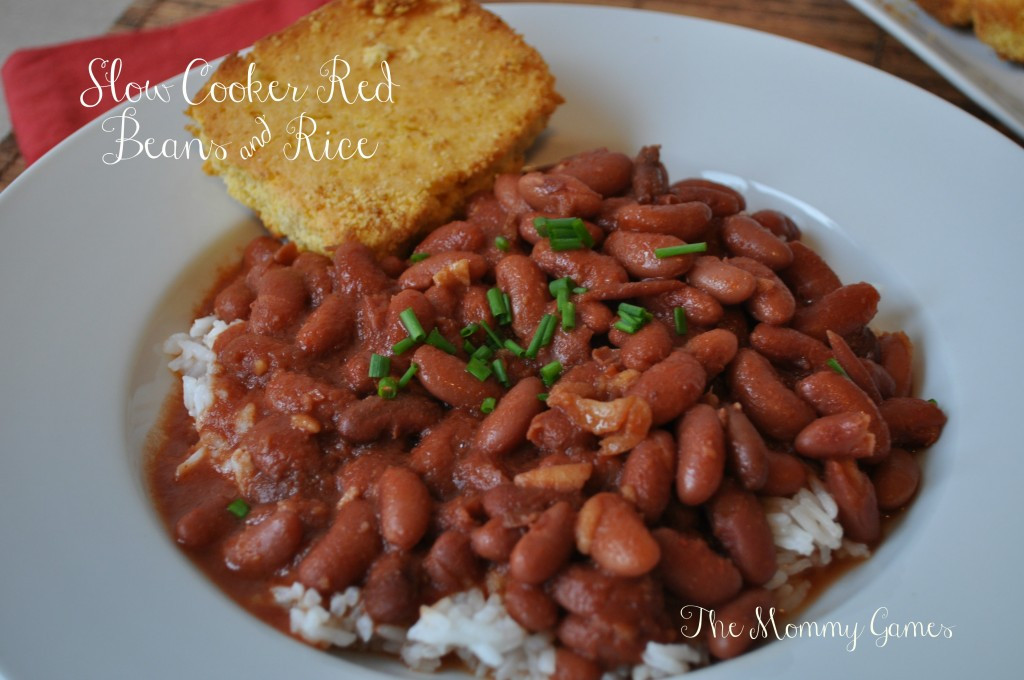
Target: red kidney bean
(246, 355)
(855, 496)
(722, 200)
(330, 325)
(844, 310)
(552, 430)
(595, 315)
(884, 383)
(527, 288)
(494, 541)
(504, 429)
(585, 267)
(369, 419)
(695, 572)
(434, 457)
(728, 284)
(545, 547)
(898, 360)
(831, 393)
(742, 617)
(714, 349)
(530, 606)
(341, 557)
(451, 565)
(670, 386)
(356, 271)
(771, 302)
(809, 277)
(280, 299)
(446, 378)
(686, 221)
(316, 274)
(786, 474)
(390, 594)
(259, 251)
(701, 308)
(395, 329)
(896, 480)
(744, 236)
(646, 347)
(774, 408)
(471, 307)
(613, 534)
(843, 435)
(631, 289)
(405, 507)
(649, 179)
(517, 506)
(778, 223)
(635, 251)
(457, 235)
(204, 524)
(701, 459)
(913, 423)
(853, 367)
(571, 666)
(747, 453)
(233, 302)
(506, 190)
(606, 172)
(561, 195)
(260, 549)
(646, 479)
(421, 275)
(739, 522)
(789, 348)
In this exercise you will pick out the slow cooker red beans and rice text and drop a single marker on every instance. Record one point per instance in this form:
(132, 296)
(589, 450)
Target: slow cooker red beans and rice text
(595, 400)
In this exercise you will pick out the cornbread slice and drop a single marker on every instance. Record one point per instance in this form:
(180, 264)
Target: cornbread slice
(468, 98)
(949, 12)
(1000, 23)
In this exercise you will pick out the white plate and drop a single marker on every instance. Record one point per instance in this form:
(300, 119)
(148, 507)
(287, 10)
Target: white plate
(971, 65)
(99, 263)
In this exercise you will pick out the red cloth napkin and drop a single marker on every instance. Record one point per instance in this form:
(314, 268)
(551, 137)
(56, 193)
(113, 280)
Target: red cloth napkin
(43, 84)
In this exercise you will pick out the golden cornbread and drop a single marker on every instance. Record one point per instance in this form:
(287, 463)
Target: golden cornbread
(468, 96)
(1000, 23)
(949, 12)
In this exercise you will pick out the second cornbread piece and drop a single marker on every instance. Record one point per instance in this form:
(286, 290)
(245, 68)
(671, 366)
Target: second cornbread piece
(469, 97)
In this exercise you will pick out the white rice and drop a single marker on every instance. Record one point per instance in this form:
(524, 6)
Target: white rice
(195, 360)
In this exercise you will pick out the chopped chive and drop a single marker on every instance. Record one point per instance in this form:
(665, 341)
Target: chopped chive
(568, 316)
(933, 402)
(499, 371)
(582, 233)
(549, 373)
(537, 339)
(496, 300)
(679, 316)
(515, 348)
(508, 308)
(403, 346)
(580, 290)
(483, 353)
(435, 339)
(493, 338)
(418, 257)
(478, 369)
(567, 243)
(379, 366)
(634, 312)
(468, 347)
(409, 373)
(627, 326)
(685, 249)
(239, 508)
(387, 388)
(834, 365)
(470, 330)
(488, 405)
(559, 285)
(541, 225)
(543, 396)
(501, 243)
(549, 330)
(412, 324)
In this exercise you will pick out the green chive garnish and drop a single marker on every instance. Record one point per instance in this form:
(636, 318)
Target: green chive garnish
(634, 312)
(418, 257)
(834, 365)
(387, 388)
(541, 225)
(567, 243)
(568, 316)
(488, 405)
(580, 290)
(508, 308)
(478, 369)
(409, 373)
(501, 243)
(542, 336)
(468, 347)
(549, 330)
(685, 249)
(403, 346)
(412, 324)
(483, 353)
(435, 339)
(379, 366)
(543, 396)
(496, 300)
(933, 402)
(515, 348)
(492, 338)
(499, 371)
(239, 508)
(549, 373)
(559, 285)
(679, 316)
(627, 326)
(469, 330)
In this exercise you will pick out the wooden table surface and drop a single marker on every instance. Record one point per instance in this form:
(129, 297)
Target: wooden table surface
(831, 24)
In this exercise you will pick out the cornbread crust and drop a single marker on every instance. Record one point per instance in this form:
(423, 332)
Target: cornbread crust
(1000, 23)
(469, 98)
